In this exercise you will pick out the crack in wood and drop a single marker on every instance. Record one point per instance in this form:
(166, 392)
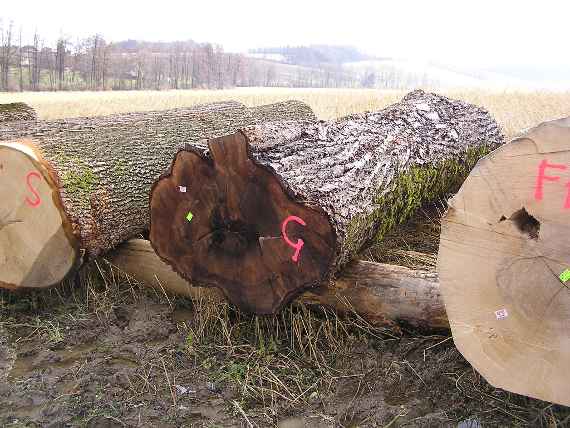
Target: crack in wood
(3, 224)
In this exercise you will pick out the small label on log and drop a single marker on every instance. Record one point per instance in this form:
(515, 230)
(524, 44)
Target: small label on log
(189, 216)
(565, 276)
(182, 189)
(501, 313)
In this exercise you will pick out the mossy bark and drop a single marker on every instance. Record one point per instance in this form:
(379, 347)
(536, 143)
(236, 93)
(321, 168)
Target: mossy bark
(104, 167)
(16, 111)
(371, 171)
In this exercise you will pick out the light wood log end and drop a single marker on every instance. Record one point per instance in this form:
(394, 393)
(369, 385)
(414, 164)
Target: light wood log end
(504, 265)
(37, 246)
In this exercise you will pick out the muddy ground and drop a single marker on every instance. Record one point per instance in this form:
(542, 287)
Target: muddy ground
(73, 363)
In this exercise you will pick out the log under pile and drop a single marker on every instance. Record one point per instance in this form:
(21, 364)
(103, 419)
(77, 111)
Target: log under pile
(279, 208)
(382, 294)
(78, 187)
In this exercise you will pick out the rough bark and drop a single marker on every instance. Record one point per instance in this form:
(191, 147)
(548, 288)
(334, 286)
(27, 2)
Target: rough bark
(102, 168)
(280, 207)
(504, 264)
(380, 293)
(16, 111)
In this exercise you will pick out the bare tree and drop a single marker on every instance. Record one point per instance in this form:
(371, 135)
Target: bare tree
(270, 75)
(5, 55)
(34, 63)
(20, 66)
(93, 77)
(60, 62)
(104, 65)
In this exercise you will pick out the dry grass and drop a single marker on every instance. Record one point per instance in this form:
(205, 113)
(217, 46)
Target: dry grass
(513, 110)
(268, 367)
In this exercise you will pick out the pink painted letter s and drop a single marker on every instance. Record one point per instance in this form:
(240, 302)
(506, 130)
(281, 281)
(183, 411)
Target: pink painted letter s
(37, 200)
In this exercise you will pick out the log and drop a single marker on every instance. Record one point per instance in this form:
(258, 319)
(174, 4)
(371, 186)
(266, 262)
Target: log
(89, 180)
(13, 112)
(380, 293)
(275, 209)
(504, 263)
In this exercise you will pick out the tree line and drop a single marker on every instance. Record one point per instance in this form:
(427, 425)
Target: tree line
(93, 63)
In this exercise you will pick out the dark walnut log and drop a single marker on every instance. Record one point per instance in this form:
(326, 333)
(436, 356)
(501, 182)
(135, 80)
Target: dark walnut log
(278, 208)
(504, 264)
(381, 294)
(92, 177)
(13, 112)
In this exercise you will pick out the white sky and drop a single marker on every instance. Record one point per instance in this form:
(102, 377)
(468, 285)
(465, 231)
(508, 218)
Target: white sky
(475, 33)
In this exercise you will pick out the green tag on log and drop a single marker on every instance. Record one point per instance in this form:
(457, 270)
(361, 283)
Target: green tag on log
(565, 276)
(190, 216)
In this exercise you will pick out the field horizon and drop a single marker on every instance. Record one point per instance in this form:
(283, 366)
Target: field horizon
(514, 110)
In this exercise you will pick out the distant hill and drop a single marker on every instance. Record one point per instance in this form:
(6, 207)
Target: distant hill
(347, 66)
(312, 55)
(131, 45)
(404, 73)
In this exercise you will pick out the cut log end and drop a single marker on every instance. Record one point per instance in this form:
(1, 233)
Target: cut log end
(504, 264)
(220, 219)
(37, 246)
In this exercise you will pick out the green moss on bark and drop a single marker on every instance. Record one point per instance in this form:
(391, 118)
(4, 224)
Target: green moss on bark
(120, 168)
(80, 182)
(409, 192)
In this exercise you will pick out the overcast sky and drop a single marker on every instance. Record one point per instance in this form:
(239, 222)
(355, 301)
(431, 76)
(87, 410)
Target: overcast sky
(476, 33)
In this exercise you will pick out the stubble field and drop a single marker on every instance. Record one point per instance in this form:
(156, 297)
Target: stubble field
(513, 110)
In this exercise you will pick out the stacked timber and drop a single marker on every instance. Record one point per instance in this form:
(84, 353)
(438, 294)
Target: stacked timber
(75, 188)
(279, 208)
(268, 212)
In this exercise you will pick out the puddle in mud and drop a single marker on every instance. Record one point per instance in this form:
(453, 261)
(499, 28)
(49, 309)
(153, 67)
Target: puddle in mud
(28, 411)
(181, 315)
(68, 388)
(63, 358)
(294, 422)
(122, 362)
(208, 412)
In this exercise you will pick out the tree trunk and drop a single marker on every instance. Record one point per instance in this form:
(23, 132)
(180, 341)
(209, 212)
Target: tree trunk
(16, 111)
(90, 179)
(504, 262)
(278, 208)
(380, 293)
